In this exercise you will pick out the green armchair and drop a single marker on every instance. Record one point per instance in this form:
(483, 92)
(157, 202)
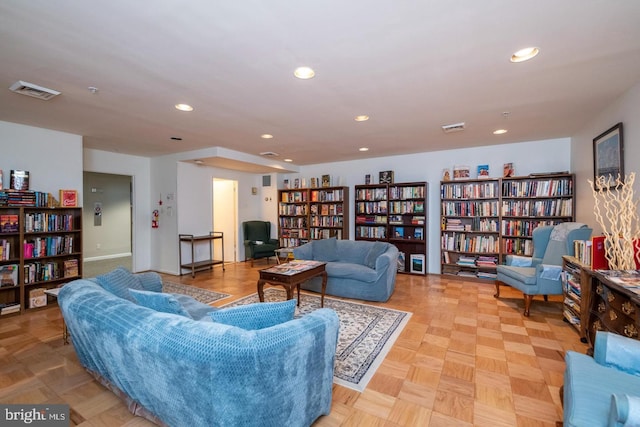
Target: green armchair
(257, 241)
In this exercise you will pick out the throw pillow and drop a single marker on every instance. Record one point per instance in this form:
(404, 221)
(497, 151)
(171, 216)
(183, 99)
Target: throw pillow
(119, 281)
(325, 250)
(256, 316)
(377, 249)
(164, 303)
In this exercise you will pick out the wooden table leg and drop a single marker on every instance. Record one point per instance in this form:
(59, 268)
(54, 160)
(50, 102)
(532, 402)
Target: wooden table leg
(298, 286)
(261, 290)
(324, 288)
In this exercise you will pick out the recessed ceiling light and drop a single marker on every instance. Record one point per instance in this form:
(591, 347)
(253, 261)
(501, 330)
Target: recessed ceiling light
(525, 54)
(304, 73)
(266, 136)
(363, 149)
(288, 160)
(362, 118)
(499, 131)
(184, 107)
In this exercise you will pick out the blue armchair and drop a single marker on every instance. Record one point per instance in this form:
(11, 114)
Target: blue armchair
(257, 240)
(603, 390)
(540, 274)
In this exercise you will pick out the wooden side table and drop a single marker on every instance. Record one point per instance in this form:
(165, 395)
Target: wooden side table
(291, 275)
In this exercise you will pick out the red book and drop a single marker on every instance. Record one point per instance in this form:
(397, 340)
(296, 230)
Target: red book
(598, 258)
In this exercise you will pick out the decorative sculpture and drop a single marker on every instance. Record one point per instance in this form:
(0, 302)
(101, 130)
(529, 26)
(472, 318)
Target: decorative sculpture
(617, 213)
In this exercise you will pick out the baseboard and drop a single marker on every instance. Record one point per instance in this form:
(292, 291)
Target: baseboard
(100, 258)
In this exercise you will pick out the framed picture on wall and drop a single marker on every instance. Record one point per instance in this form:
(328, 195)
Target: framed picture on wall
(608, 157)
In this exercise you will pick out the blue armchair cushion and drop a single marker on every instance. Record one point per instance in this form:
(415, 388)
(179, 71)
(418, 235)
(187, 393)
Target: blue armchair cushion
(118, 282)
(375, 251)
(325, 250)
(165, 303)
(256, 316)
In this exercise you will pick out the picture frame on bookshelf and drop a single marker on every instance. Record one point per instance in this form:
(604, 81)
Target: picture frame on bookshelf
(326, 180)
(508, 170)
(367, 179)
(19, 180)
(417, 262)
(285, 184)
(417, 234)
(461, 172)
(68, 198)
(296, 183)
(398, 232)
(483, 171)
(608, 156)
(446, 174)
(386, 177)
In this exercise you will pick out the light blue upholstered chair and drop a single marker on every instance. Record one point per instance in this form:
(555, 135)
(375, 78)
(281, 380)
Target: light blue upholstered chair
(540, 274)
(603, 390)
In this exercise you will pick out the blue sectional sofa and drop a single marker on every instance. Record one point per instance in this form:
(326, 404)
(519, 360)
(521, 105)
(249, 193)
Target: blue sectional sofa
(355, 269)
(179, 371)
(603, 390)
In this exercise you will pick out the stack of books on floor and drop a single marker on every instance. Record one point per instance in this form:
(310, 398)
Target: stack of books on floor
(8, 308)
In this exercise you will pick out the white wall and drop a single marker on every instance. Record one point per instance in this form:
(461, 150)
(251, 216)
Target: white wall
(53, 159)
(625, 109)
(528, 157)
(138, 168)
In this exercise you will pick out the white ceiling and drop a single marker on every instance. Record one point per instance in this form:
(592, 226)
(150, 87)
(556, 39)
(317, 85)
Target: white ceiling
(411, 65)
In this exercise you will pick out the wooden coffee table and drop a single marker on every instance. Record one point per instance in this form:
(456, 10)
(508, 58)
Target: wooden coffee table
(291, 275)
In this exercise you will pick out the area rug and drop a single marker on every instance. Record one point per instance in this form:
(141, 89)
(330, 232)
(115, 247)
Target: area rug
(202, 295)
(366, 335)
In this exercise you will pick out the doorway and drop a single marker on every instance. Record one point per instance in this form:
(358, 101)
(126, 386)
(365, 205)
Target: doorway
(225, 215)
(107, 225)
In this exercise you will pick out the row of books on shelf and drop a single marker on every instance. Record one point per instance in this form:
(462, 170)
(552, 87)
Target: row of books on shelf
(327, 221)
(45, 271)
(378, 232)
(522, 227)
(463, 242)
(371, 219)
(408, 220)
(292, 242)
(537, 188)
(372, 207)
(471, 261)
(488, 225)
(320, 233)
(480, 190)
(406, 207)
(371, 194)
(406, 192)
(411, 233)
(457, 270)
(48, 246)
(327, 209)
(552, 207)
(293, 222)
(470, 208)
(518, 246)
(293, 196)
(41, 222)
(336, 195)
(5, 250)
(26, 198)
(293, 210)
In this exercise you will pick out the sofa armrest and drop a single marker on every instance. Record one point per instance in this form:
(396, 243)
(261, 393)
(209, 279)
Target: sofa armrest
(625, 410)
(617, 351)
(304, 251)
(518, 261)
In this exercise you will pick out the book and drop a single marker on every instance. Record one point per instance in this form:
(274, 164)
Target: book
(8, 308)
(326, 180)
(401, 261)
(9, 223)
(68, 198)
(417, 233)
(70, 267)
(598, 254)
(19, 180)
(483, 171)
(37, 298)
(8, 275)
(461, 172)
(446, 175)
(508, 170)
(417, 263)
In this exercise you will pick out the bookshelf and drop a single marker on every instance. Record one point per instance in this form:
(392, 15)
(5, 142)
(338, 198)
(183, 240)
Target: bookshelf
(44, 245)
(576, 290)
(306, 214)
(533, 201)
(395, 213)
(483, 220)
(470, 236)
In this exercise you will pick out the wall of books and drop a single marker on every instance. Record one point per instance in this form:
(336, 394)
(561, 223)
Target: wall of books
(40, 249)
(483, 220)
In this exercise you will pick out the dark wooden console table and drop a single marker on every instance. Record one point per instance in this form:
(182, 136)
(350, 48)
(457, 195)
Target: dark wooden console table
(612, 307)
(206, 264)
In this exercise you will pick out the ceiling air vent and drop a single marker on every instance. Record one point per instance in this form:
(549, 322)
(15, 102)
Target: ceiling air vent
(269, 154)
(29, 89)
(457, 127)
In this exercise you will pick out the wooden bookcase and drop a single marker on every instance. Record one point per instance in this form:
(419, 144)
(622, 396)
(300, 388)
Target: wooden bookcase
(312, 213)
(483, 220)
(395, 213)
(470, 236)
(46, 246)
(576, 290)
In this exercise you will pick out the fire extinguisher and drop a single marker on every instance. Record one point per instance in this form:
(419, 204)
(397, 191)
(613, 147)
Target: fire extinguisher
(155, 218)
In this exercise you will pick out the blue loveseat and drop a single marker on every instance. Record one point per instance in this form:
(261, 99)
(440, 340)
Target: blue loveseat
(178, 371)
(355, 269)
(603, 390)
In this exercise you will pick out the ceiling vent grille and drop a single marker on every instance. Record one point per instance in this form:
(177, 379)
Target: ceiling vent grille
(269, 154)
(456, 127)
(35, 91)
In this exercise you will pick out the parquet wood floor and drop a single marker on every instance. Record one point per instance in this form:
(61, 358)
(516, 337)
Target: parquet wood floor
(464, 359)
